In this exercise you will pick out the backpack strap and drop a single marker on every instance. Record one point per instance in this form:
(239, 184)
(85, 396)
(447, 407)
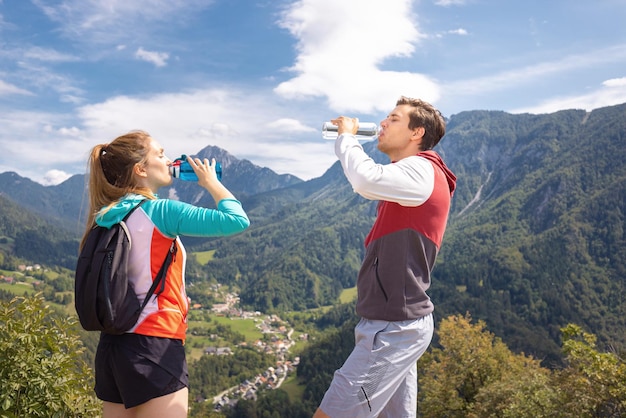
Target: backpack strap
(160, 277)
(125, 218)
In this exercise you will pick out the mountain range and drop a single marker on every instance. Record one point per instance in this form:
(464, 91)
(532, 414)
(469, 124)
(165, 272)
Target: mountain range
(535, 237)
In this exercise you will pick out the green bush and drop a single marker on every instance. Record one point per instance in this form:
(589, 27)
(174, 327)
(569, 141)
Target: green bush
(42, 373)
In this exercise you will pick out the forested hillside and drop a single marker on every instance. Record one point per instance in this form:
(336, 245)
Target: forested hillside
(26, 236)
(536, 238)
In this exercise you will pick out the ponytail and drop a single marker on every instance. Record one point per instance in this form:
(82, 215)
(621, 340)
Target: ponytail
(110, 171)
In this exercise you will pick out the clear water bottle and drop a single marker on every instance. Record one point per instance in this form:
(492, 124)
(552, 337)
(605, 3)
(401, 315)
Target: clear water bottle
(181, 169)
(366, 131)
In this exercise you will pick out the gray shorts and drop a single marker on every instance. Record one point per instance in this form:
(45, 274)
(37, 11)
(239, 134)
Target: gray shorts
(379, 378)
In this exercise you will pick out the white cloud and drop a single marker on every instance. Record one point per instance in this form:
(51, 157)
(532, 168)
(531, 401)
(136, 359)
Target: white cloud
(459, 31)
(341, 47)
(6, 89)
(615, 82)
(446, 3)
(113, 20)
(286, 125)
(49, 55)
(70, 98)
(33, 68)
(159, 59)
(71, 132)
(41, 77)
(611, 93)
(184, 123)
(54, 177)
(530, 73)
(30, 140)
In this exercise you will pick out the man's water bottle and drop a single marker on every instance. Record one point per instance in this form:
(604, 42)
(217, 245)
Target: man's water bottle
(181, 169)
(366, 131)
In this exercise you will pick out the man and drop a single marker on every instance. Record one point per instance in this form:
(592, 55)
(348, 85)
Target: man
(379, 378)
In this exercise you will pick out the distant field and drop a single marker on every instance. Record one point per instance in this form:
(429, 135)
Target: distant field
(22, 282)
(20, 285)
(204, 257)
(348, 295)
(247, 327)
(17, 289)
(197, 344)
(293, 388)
(12, 273)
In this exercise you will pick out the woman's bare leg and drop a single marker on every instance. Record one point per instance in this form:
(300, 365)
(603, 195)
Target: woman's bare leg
(174, 405)
(116, 410)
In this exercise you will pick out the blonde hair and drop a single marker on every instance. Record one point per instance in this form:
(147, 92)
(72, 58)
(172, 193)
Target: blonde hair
(110, 171)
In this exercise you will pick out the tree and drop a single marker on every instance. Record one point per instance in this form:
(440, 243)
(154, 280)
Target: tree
(42, 373)
(594, 383)
(474, 374)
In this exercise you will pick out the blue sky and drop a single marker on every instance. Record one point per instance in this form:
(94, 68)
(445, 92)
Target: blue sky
(258, 77)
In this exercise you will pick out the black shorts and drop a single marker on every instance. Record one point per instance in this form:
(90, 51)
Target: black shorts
(132, 368)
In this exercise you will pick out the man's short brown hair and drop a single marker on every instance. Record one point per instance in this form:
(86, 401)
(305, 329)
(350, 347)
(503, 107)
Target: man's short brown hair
(424, 115)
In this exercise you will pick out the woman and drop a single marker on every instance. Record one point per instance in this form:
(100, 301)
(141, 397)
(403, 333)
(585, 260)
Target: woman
(143, 373)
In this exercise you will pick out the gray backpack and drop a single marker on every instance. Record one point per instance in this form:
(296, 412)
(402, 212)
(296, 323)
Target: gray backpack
(104, 298)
